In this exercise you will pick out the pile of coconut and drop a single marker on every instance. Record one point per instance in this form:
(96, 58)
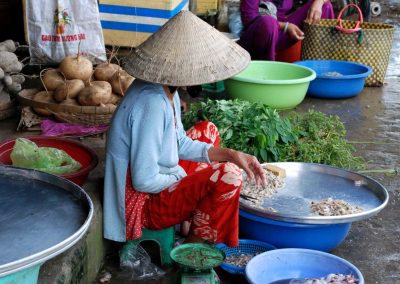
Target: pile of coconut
(76, 82)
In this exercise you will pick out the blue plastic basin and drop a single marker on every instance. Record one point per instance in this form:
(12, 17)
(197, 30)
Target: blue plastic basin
(349, 84)
(292, 235)
(278, 265)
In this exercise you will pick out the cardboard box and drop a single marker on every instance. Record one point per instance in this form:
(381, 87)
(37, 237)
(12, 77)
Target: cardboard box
(130, 22)
(205, 7)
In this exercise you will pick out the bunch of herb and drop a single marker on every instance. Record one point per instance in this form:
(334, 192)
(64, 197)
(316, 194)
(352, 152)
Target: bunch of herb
(321, 139)
(256, 129)
(249, 127)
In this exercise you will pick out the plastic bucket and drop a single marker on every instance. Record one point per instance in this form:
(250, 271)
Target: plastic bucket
(290, 54)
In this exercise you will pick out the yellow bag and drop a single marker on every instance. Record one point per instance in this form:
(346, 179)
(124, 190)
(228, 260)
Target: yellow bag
(357, 41)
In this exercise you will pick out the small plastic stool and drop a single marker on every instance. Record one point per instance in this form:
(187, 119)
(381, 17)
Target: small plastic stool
(290, 54)
(164, 238)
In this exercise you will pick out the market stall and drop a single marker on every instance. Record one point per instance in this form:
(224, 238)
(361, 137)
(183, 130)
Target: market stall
(54, 101)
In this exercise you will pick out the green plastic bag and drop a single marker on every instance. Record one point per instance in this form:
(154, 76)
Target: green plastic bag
(26, 154)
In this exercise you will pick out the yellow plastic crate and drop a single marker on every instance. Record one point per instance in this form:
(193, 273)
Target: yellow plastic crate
(204, 7)
(130, 22)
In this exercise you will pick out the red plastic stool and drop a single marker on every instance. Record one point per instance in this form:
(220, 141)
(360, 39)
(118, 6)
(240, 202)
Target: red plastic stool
(290, 54)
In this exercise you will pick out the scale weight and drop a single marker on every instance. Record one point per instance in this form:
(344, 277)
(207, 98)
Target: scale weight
(200, 277)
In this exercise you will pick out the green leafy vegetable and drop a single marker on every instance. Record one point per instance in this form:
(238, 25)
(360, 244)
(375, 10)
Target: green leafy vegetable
(249, 127)
(256, 129)
(322, 139)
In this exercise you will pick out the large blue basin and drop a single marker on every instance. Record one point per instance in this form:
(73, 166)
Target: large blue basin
(281, 234)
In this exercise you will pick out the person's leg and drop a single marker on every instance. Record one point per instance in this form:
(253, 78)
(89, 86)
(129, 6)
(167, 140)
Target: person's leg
(204, 131)
(297, 18)
(216, 219)
(209, 197)
(260, 38)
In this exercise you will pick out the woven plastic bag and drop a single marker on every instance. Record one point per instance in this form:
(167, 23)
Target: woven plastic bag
(56, 28)
(356, 41)
(26, 154)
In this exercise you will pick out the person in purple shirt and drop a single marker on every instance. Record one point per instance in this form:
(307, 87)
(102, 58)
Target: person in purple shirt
(264, 35)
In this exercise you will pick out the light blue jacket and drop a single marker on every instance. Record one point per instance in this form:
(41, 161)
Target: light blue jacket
(143, 134)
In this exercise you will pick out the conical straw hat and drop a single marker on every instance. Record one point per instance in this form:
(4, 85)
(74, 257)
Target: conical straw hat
(186, 51)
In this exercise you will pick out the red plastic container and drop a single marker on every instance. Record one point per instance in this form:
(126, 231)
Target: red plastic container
(290, 54)
(78, 151)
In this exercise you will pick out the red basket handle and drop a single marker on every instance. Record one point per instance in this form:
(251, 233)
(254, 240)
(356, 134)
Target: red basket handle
(357, 28)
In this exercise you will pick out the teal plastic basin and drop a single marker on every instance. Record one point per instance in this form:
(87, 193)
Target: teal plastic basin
(280, 85)
(27, 276)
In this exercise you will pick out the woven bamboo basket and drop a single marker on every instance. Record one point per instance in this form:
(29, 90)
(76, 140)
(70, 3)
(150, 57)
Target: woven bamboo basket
(84, 115)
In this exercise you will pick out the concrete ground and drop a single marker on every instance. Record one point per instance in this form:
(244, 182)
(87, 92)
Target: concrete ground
(372, 119)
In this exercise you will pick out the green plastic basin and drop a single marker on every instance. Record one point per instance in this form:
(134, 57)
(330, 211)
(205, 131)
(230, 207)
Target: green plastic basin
(279, 85)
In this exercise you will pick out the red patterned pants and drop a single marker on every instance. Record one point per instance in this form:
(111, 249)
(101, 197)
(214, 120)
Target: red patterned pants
(208, 196)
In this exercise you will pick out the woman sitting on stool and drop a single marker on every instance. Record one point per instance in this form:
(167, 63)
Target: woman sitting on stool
(156, 174)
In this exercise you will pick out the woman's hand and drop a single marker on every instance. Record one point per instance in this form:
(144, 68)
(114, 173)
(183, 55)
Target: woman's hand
(315, 12)
(294, 32)
(244, 161)
(251, 166)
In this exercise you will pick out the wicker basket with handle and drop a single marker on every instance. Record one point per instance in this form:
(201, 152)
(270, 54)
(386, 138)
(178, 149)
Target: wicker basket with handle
(356, 41)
